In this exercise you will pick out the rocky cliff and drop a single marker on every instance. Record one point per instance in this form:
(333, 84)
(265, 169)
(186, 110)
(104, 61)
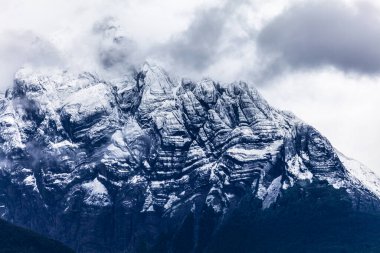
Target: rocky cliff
(118, 165)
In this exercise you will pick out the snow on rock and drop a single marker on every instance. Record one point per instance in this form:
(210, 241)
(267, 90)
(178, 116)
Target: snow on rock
(172, 199)
(10, 133)
(244, 153)
(96, 194)
(261, 191)
(87, 102)
(297, 168)
(31, 181)
(117, 151)
(360, 172)
(63, 144)
(135, 179)
(148, 203)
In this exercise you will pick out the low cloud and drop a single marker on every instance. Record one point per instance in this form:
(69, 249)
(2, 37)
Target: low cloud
(314, 34)
(18, 48)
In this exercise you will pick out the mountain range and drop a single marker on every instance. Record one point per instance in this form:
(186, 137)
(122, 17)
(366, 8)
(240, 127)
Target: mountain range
(150, 162)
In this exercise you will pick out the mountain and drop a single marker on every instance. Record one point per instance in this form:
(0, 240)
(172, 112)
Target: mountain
(153, 163)
(14, 239)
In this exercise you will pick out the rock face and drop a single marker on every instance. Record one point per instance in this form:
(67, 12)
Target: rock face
(115, 166)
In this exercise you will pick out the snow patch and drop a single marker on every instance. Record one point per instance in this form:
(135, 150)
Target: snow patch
(297, 168)
(272, 192)
(241, 153)
(88, 101)
(64, 143)
(31, 181)
(96, 194)
(172, 198)
(148, 204)
(135, 179)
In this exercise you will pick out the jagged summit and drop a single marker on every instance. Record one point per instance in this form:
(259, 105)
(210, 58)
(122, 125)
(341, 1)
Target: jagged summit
(118, 157)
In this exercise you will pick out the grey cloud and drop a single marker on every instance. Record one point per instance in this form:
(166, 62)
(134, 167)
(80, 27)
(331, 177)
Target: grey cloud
(115, 51)
(320, 33)
(198, 46)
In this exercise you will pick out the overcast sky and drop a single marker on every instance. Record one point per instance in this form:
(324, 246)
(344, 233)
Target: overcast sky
(319, 59)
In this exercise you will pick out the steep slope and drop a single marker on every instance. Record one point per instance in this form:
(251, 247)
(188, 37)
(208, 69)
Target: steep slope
(109, 166)
(14, 239)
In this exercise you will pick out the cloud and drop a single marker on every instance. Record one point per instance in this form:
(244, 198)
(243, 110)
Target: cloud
(18, 48)
(196, 47)
(314, 34)
(104, 37)
(115, 51)
(201, 44)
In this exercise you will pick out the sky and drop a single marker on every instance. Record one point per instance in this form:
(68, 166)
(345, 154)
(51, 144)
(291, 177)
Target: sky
(318, 59)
